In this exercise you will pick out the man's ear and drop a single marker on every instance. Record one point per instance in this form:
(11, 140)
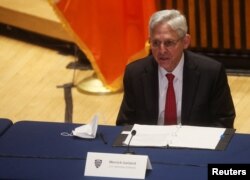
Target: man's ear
(187, 41)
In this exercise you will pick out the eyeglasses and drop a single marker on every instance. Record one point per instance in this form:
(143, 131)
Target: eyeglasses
(167, 43)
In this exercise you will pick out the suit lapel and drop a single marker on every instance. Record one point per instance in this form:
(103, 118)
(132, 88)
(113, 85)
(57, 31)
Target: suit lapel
(190, 84)
(150, 84)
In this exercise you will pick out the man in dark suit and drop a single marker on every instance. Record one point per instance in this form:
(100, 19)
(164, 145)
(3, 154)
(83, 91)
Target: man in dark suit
(201, 91)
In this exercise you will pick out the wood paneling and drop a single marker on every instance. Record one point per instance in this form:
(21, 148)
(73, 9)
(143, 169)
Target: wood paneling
(203, 23)
(225, 22)
(191, 21)
(247, 21)
(216, 25)
(237, 25)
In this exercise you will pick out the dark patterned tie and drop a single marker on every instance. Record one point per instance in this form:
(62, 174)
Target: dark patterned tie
(170, 106)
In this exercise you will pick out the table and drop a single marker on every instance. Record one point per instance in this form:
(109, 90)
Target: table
(4, 125)
(31, 150)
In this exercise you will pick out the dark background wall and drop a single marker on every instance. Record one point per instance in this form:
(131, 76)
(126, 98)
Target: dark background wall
(219, 28)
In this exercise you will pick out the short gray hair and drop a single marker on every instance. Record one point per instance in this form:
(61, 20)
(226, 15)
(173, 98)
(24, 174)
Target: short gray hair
(173, 18)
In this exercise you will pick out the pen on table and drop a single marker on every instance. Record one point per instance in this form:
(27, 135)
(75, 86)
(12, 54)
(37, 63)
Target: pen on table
(103, 139)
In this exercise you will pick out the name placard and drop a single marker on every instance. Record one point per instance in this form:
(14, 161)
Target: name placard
(117, 165)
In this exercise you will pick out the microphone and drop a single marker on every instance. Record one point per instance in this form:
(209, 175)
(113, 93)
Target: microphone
(128, 147)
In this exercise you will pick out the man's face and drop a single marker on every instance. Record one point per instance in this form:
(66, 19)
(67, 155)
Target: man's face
(167, 46)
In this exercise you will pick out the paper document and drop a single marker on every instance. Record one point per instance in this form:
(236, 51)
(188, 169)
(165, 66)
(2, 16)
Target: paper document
(175, 136)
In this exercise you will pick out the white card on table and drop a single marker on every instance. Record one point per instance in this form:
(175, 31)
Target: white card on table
(117, 165)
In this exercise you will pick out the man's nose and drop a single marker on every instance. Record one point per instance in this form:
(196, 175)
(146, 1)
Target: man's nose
(162, 48)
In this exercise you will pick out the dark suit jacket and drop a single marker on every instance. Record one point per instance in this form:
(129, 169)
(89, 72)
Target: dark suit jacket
(206, 97)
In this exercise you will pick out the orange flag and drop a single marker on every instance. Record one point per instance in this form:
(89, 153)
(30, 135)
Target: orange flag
(110, 32)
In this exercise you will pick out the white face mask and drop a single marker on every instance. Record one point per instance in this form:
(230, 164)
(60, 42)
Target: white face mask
(87, 131)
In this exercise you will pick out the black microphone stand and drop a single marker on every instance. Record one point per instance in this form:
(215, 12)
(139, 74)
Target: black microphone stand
(128, 151)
